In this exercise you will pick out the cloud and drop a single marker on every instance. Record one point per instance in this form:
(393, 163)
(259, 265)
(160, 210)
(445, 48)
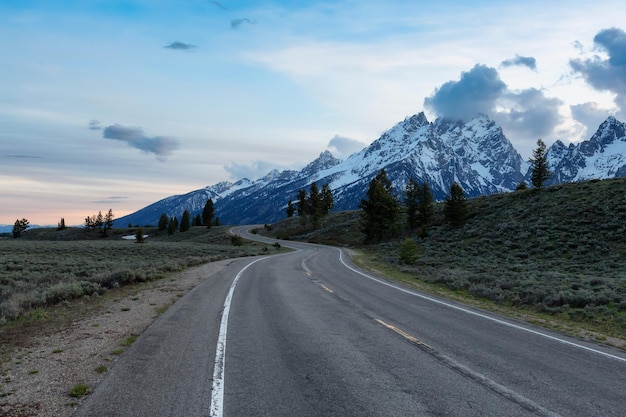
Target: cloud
(524, 115)
(235, 23)
(590, 115)
(111, 200)
(161, 146)
(252, 170)
(23, 156)
(476, 92)
(342, 147)
(219, 5)
(180, 46)
(528, 113)
(524, 61)
(95, 125)
(606, 74)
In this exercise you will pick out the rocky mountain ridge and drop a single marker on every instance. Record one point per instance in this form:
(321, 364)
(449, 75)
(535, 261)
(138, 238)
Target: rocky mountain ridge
(476, 154)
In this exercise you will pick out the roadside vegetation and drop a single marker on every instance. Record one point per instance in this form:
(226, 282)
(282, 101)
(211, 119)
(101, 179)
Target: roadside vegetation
(555, 253)
(45, 267)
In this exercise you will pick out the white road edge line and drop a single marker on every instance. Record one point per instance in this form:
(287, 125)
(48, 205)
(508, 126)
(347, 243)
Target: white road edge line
(484, 316)
(217, 393)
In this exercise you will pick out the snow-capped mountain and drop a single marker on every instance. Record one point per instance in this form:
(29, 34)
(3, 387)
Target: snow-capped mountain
(475, 154)
(602, 156)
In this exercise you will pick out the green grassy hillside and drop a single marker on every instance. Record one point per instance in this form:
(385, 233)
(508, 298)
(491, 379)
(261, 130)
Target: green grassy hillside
(559, 252)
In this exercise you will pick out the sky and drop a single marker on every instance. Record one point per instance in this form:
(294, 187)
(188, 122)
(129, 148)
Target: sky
(108, 104)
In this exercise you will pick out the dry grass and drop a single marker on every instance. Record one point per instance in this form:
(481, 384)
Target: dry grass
(46, 267)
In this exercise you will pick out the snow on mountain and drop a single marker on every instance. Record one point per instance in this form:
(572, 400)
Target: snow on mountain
(476, 154)
(602, 156)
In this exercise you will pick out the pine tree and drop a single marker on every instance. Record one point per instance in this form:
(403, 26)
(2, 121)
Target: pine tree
(139, 238)
(185, 221)
(99, 220)
(108, 219)
(290, 209)
(540, 170)
(207, 213)
(302, 206)
(197, 220)
(411, 201)
(328, 201)
(455, 208)
(379, 212)
(314, 205)
(171, 227)
(61, 224)
(164, 220)
(425, 205)
(20, 227)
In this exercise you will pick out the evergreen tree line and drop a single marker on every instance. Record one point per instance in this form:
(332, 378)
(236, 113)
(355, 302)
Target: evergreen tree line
(97, 222)
(313, 205)
(381, 209)
(172, 224)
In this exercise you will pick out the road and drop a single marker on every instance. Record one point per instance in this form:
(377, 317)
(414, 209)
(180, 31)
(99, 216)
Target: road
(307, 334)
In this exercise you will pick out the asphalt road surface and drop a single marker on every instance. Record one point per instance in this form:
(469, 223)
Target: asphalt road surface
(307, 334)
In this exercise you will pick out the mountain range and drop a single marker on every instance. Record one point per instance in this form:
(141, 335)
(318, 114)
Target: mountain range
(476, 154)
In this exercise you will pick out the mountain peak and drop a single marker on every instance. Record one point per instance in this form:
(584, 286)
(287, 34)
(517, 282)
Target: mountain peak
(324, 161)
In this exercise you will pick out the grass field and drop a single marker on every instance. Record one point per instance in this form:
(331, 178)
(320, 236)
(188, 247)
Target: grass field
(45, 266)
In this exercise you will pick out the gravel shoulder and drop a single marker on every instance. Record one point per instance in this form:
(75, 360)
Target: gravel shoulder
(79, 342)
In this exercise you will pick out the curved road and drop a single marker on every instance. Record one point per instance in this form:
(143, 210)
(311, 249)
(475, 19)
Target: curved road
(307, 334)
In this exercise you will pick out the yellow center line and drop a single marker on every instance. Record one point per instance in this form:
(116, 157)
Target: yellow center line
(327, 289)
(403, 334)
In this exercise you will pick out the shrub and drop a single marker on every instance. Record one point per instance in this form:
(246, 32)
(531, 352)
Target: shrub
(236, 240)
(408, 252)
(79, 390)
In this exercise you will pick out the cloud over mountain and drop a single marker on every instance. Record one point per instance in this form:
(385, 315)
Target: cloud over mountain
(252, 170)
(161, 146)
(342, 147)
(606, 73)
(476, 92)
(527, 114)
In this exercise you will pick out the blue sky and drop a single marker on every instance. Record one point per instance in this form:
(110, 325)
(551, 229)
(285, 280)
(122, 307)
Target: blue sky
(117, 104)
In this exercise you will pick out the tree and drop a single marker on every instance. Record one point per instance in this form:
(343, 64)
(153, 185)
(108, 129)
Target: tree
(314, 204)
(379, 212)
(171, 227)
(108, 219)
(302, 206)
(90, 222)
(164, 220)
(455, 208)
(327, 199)
(290, 209)
(521, 186)
(61, 224)
(420, 204)
(207, 213)
(107, 222)
(540, 170)
(99, 220)
(411, 199)
(425, 205)
(197, 220)
(185, 221)
(139, 236)
(20, 227)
